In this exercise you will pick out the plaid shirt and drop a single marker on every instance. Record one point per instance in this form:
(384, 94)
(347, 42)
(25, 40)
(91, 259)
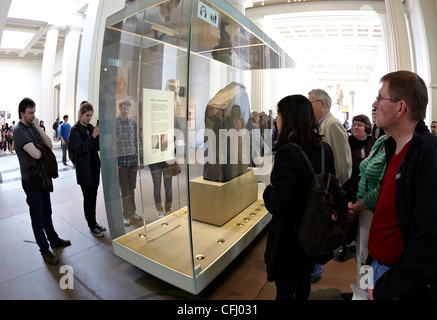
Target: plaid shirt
(127, 142)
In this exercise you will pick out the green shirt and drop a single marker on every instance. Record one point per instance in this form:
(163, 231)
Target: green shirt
(372, 170)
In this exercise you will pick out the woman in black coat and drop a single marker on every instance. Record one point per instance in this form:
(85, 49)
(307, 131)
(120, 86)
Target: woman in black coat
(286, 194)
(84, 140)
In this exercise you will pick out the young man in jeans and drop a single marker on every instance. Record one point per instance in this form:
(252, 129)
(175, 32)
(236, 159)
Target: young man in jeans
(64, 133)
(27, 135)
(403, 233)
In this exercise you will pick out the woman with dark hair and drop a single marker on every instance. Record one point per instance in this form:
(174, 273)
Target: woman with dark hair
(84, 140)
(361, 142)
(286, 194)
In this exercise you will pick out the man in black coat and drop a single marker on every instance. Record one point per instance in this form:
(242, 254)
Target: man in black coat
(403, 234)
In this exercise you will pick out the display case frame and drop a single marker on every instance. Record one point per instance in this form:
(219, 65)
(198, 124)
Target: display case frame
(172, 65)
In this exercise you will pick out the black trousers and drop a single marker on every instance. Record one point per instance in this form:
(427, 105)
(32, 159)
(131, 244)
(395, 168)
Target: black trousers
(89, 204)
(295, 288)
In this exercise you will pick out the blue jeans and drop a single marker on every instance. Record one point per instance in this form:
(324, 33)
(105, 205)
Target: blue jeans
(40, 209)
(318, 271)
(378, 270)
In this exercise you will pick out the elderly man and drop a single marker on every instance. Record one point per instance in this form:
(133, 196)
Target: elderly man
(403, 234)
(335, 135)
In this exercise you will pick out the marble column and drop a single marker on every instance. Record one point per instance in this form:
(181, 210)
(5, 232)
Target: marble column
(397, 26)
(44, 109)
(91, 50)
(4, 9)
(68, 103)
(258, 83)
(389, 49)
(423, 18)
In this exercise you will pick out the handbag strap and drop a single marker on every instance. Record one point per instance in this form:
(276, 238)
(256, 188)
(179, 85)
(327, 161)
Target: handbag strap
(311, 166)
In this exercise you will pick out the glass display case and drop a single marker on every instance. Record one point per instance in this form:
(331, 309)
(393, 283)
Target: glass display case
(182, 151)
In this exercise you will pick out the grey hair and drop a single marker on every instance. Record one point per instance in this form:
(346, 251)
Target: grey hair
(320, 94)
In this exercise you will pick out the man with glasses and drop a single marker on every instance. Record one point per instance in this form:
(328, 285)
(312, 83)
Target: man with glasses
(403, 234)
(333, 133)
(336, 136)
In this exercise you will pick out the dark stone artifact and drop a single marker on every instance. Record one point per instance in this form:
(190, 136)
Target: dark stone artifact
(227, 152)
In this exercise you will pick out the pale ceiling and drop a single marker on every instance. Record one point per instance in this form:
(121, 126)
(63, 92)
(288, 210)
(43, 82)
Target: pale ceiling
(35, 47)
(335, 46)
(33, 16)
(266, 3)
(335, 41)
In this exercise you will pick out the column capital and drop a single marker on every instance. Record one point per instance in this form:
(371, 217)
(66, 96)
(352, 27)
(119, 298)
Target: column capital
(73, 28)
(50, 27)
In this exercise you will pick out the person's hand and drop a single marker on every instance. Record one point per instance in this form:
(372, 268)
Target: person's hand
(96, 131)
(370, 294)
(351, 212)
(36, 122)
(268, 181)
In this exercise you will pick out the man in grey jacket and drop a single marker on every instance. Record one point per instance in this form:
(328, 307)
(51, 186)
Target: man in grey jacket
(335, 135)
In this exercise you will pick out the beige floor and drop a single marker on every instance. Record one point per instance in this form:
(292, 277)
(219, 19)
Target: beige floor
(98, 273)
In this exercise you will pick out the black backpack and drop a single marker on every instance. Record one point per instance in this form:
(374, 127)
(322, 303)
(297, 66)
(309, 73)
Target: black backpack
(325, 222)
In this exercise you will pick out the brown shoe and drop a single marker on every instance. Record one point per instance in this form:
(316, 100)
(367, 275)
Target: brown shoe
(50, 258)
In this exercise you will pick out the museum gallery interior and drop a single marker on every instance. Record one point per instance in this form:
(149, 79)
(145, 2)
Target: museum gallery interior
(194, 73)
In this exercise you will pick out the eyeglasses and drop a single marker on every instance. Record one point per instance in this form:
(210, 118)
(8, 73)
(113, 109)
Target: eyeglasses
(379, 99)
(315, 101)
(433, 127)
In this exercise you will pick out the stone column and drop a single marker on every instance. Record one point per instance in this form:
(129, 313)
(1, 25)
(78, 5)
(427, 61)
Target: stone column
(397, 26)
(68, 76)
(423, 18)
(389, 49)
(44, 109)
(4, 9)
(91, 50)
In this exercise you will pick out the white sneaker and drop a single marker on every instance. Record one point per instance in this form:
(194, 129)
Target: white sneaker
(126, 222)
(96, 232)
(161, 214)
(98, 226)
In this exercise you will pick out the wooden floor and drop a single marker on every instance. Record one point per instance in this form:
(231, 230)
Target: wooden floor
(245, 278)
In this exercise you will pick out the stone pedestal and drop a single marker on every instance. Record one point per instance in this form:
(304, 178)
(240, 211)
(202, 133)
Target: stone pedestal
(218, 202)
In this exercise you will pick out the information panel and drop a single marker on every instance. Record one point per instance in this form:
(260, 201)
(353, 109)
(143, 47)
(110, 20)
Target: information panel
(158, 125)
